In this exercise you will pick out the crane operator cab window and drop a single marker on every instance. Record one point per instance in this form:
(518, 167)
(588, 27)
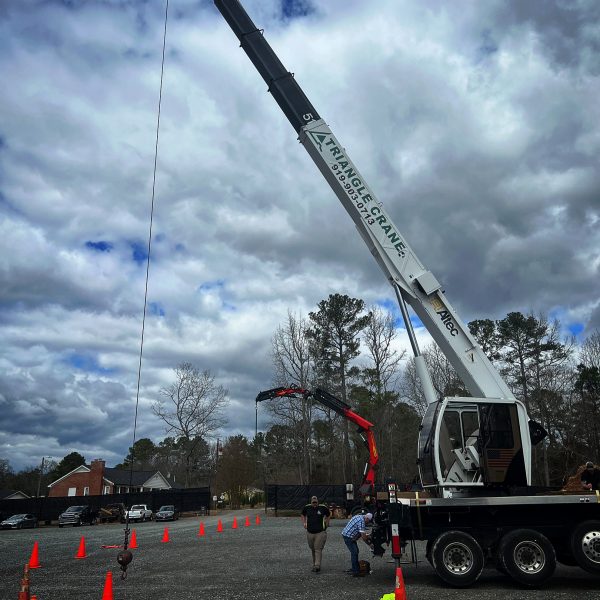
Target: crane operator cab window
(471, 442)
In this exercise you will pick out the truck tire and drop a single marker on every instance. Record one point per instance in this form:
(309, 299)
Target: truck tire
(527, 556)
(457, 558)
(585, 546)
(428, 551)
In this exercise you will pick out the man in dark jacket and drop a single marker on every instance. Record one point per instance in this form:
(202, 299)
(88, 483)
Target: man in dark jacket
(590, 478)
(316, 517)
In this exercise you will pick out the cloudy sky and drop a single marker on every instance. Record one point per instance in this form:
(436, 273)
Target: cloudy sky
(476, 123)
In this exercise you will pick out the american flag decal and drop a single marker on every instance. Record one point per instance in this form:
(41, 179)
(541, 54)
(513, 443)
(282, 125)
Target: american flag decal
(499, 459)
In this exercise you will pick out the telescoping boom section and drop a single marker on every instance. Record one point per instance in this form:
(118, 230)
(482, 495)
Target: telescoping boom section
(365, 428)
(446, 467)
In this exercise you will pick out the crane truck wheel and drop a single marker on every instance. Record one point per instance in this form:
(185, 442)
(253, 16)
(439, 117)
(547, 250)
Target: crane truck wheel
(428, 551)
(527, 556)
(457, 558)
(585, 546)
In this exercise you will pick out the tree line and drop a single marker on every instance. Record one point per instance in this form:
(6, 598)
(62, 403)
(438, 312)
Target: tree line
(352, 352)
(349, 350)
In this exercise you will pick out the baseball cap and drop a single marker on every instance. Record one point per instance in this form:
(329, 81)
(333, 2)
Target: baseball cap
(589, 464)
(314, 499)
(369, 516)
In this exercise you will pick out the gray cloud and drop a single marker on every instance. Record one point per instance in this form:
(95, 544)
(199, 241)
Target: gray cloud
(478, 129)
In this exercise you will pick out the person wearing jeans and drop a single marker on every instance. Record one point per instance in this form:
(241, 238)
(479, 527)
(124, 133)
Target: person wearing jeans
(355, 529)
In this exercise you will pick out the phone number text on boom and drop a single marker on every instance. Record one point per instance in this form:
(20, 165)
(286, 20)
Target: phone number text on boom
(354, 188)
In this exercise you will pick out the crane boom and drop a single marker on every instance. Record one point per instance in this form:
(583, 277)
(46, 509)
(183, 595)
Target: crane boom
(365, 428)
(498, 413)
(401, 266)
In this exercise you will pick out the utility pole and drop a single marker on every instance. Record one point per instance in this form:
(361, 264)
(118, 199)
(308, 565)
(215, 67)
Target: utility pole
(41, 474)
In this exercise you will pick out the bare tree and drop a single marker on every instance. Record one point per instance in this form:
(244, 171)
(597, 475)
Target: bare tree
(379, 378)
(292, 361)
(590, 350)
(192, 408)
(443, 376)
(378, 336)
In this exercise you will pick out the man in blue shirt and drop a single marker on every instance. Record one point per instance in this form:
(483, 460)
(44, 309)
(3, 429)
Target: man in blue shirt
(355, 529)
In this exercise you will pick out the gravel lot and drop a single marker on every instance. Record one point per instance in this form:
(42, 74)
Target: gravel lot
(269, 561)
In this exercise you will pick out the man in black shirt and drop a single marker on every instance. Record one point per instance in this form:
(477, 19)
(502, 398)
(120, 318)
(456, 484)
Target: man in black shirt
(590, 478)
(315, 517)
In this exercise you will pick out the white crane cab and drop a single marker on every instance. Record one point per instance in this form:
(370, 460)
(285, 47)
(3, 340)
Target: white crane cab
(469, 443)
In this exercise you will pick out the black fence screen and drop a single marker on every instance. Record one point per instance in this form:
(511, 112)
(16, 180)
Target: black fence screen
(294, 497)
(48, 509)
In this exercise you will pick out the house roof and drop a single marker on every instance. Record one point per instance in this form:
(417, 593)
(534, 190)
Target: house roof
(120, 476)
(79, 469)
(137, 478)
(6, 494)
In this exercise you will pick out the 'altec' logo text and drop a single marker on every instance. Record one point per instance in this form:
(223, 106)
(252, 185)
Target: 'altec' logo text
(357, 192)
(445, 316)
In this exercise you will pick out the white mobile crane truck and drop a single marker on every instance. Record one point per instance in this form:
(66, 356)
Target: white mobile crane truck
(474, 453)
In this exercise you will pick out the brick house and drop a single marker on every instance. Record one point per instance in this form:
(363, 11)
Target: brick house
(97, 480)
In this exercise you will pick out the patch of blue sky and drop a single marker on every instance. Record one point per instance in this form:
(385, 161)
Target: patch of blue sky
(209, 286)
(156, 309)
(228, 306)
(292, 9)
(217, 287)
(574, 328)
(392, 307)
(487, 47)
(88, 363)
(139, 252)
(100, 246)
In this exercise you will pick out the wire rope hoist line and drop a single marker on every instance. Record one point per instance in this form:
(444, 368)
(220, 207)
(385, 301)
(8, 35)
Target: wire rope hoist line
(125, 557)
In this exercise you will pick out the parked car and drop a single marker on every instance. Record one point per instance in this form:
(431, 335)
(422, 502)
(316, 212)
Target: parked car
(19, 522)
(167, 513)
(77, 515)
(140, 512)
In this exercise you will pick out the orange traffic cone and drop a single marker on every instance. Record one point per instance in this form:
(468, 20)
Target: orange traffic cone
(234, 526)
(108, 587)
(24, 591)
(258, 519)
(400, 591)
(165, 537)
(247, 523)
(219, 526)
(81, 552)
(34, 561)
(133, 543)
(201, 530)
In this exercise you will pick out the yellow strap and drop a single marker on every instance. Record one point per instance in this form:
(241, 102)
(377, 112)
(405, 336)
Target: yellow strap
(598, 495)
